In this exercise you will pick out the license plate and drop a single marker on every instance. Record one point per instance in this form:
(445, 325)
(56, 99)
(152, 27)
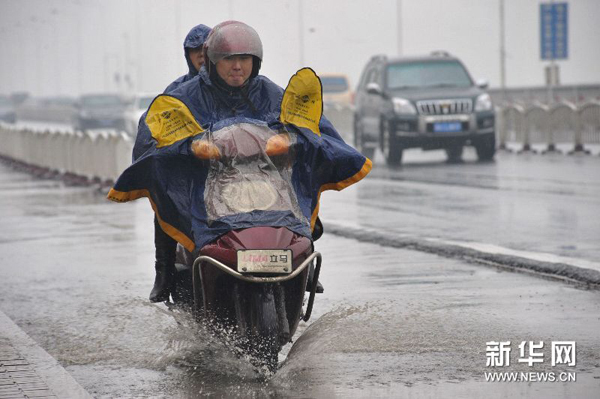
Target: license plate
(264, 261)
(444, 127)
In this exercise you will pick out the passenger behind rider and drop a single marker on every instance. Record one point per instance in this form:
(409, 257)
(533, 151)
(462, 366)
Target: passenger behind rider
(165, 246)
(193, 51)
(229, 85)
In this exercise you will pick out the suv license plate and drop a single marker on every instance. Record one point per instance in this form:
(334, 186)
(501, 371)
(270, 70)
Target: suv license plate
(444, 127)
(264, 261)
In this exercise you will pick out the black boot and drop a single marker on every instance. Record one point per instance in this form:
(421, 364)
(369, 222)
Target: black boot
(164, 265)
(320, 288)
(318, 230)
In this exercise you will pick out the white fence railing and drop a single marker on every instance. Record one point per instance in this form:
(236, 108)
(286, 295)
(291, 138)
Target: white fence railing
(563, 123)
(342, 117)
(103, 155)
(96, 156)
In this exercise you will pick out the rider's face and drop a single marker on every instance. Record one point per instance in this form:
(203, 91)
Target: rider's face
(235, 69)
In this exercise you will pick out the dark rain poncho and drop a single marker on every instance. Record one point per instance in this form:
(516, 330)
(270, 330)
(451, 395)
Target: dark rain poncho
(175, 181)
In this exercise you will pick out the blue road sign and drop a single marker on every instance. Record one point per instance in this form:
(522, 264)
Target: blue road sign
(554, 18)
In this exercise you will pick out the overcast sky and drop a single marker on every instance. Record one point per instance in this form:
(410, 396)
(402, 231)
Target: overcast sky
(69, 47)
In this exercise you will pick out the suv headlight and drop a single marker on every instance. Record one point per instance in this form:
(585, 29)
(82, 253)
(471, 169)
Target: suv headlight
(483, 103)
(403, 107)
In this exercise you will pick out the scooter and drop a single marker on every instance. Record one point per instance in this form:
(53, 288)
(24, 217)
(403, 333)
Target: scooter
(252, 280)
(242, 196)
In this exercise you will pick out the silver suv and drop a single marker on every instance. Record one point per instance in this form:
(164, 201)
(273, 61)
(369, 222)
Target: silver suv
(426, 102)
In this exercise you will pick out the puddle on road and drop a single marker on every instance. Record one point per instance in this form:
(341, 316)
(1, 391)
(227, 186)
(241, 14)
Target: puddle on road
(152, 351)
(378, 349)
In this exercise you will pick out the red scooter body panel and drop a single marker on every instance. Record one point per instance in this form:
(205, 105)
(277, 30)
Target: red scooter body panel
(225, 248)
(221, 291)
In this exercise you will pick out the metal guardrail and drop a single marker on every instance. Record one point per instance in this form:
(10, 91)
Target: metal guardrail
(103, 155)
(93, 155)
(100, 155)
(563, 123)
(536, 125)
(511, 124)
(589, 117)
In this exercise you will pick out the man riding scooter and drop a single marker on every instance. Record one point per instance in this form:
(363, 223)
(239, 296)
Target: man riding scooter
(242, 195)
(228, 86)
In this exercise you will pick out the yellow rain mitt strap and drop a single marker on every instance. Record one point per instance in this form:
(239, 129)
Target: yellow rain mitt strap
(302, 103)
(170, 120)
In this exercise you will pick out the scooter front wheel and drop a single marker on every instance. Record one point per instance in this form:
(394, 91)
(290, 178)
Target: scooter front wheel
(264, 326)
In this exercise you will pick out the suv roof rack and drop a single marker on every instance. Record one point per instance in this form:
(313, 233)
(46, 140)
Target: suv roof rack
(440, 53)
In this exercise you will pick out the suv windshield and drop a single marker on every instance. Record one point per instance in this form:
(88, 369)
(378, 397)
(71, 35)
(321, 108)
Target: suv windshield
(427, 74)
(334, 84)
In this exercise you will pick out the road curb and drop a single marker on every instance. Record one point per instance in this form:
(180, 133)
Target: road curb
(557, 270)
(26, 370)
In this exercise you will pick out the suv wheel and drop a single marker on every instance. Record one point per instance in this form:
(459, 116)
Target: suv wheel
(359, 141)
(454, 153)
(391, 148)
(486, 147)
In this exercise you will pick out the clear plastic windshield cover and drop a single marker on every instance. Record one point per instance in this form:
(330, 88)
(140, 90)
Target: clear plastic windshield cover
(244, 178)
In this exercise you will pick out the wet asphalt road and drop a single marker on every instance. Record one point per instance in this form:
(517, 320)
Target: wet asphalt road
(541, 204)
(76, 271)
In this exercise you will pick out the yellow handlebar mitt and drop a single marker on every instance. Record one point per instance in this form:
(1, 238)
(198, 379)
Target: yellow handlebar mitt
(302, 103)
(170, 120)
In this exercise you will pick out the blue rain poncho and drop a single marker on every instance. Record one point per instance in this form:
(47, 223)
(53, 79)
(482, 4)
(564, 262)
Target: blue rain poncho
(239, 181)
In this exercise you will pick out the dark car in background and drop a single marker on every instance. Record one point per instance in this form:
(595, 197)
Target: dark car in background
(140, 102)
(102, 111)
(7, 110)
(58, 109)
(428, 102)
